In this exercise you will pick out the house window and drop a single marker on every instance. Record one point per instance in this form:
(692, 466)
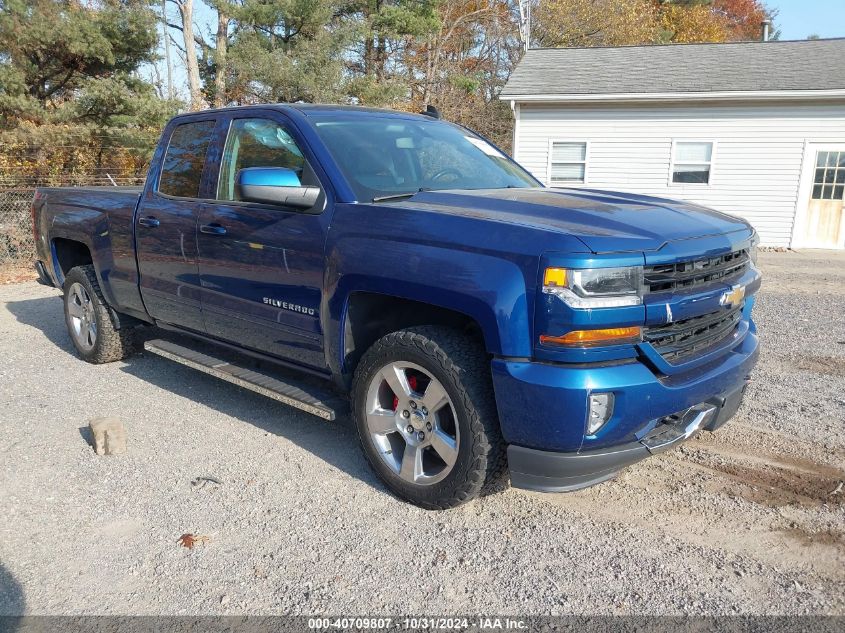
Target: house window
(567, 162)
(691, 162)
(829, 181)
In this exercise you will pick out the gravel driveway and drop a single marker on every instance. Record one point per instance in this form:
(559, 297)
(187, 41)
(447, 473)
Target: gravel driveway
(748, 520)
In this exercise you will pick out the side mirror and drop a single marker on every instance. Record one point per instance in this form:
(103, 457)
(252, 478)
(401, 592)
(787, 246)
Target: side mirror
(274, 185)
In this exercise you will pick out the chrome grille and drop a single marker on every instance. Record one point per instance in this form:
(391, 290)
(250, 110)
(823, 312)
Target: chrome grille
(696, 272)
(681, 339)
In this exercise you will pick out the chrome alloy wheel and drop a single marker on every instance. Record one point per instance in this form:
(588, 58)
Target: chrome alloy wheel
(412, 423)
(83, 321)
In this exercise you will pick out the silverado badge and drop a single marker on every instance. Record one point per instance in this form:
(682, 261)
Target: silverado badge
(286, 305)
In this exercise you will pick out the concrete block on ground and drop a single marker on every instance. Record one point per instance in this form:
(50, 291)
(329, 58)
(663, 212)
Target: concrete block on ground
(109, 436)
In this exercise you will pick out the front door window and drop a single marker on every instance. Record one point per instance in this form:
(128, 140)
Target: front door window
(259, 143)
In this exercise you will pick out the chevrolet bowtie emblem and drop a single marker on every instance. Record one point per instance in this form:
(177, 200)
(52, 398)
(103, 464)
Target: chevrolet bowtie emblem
(733, 297)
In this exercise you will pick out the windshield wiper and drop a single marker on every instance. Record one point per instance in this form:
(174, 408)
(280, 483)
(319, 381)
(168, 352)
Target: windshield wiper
(399, 196)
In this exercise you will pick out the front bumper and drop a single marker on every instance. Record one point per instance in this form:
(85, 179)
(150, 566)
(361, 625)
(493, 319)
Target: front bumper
(547, 471)
(543, 409)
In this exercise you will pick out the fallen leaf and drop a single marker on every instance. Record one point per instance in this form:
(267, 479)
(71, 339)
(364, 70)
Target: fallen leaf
(189, 540)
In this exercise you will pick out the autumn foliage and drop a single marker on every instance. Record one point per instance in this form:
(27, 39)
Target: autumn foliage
(626, 22)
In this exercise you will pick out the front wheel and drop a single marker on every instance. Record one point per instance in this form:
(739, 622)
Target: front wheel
(88, 322)
(424, 406)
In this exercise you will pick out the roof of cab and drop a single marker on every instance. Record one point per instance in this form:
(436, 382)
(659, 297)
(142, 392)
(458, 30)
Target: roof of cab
(316, 110)
(321, 109)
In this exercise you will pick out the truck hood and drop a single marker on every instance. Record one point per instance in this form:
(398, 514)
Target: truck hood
(604, 221)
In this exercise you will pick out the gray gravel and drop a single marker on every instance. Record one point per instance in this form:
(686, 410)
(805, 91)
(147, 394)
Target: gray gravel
(746, 520)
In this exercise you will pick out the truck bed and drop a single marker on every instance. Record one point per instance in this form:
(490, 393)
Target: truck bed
(102, 218)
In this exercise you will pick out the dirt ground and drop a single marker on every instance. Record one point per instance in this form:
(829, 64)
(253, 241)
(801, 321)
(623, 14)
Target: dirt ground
(748, 520)
(16, 273)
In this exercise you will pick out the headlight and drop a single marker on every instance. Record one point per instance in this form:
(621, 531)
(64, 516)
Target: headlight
(595, 287)
(752, 251)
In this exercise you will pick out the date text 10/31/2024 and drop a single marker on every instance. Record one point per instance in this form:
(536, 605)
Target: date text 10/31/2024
(417, 623)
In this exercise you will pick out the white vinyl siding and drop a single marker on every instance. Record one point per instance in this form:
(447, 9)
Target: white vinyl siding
(756, 159)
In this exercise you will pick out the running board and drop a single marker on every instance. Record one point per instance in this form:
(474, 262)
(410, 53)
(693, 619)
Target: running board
(296, 394)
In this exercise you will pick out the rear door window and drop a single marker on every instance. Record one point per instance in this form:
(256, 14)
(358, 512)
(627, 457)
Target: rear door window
(181, 171)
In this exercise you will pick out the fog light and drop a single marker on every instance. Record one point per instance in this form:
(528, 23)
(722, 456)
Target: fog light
(600, 411)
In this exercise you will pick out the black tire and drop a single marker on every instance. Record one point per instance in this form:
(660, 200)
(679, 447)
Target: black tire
(110, 344)
(462, 367)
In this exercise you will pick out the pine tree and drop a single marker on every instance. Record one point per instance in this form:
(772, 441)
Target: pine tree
(69, 86)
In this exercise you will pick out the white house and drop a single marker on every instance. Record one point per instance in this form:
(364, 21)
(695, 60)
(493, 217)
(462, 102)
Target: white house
(755, 129)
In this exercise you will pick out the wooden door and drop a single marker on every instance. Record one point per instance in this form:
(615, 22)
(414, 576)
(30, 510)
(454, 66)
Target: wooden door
(825, 224)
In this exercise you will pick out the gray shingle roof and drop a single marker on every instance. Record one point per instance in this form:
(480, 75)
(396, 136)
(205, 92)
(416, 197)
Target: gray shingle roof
(679, 68)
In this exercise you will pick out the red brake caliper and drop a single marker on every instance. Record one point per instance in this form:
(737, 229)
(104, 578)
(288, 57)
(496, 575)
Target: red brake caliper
(412, 383)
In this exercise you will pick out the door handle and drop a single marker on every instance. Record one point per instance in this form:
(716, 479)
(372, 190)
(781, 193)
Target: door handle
(149, 222)
(213, 229)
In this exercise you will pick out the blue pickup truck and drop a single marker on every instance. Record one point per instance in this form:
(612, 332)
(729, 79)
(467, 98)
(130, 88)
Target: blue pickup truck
(475, 322)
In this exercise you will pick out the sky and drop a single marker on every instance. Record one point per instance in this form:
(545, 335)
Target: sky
(799, 18)
(796, 19)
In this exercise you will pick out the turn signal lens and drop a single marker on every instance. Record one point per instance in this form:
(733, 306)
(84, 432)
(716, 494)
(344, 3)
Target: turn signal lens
(587, 338)
(555, 277)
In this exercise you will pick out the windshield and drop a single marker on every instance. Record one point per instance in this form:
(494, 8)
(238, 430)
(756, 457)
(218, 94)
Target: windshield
(385, 156)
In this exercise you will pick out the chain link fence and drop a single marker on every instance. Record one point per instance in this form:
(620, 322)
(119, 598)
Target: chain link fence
(17, 244)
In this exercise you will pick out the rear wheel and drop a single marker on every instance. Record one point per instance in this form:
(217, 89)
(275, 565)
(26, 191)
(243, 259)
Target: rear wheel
(88, 321)
(424, 407)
